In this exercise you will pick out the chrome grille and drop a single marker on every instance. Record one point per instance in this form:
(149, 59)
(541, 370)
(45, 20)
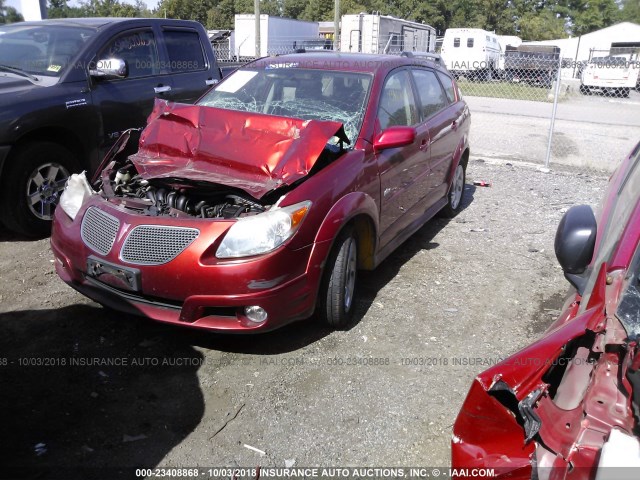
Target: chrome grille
(99, 230)
(154, 245)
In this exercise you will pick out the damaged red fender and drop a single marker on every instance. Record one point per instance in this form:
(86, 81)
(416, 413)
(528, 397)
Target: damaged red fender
(253, 152)
(495, 424)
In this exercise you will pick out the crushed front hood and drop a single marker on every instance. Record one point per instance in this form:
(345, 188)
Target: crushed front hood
(253, 152)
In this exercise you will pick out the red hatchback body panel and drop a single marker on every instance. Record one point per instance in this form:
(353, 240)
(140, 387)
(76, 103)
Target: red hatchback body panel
(200, 171)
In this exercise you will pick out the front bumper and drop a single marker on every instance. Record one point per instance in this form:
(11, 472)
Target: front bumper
(195, 289)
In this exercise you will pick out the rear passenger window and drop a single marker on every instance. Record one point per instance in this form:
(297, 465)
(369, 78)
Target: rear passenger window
(397, 103)
(456, 42)
(470, 42)
(432, 98)
(449, 89)
(185, 50)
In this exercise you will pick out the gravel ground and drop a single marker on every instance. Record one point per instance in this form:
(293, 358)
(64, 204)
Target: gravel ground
(101, 389)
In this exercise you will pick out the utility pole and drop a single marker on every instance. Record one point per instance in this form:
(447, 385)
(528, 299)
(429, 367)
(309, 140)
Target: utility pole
(336, 25)
(256, 11)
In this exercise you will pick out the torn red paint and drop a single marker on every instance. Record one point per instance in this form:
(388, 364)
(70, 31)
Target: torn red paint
(254, 152)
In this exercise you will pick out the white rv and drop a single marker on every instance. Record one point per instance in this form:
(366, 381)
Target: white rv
(471, 52)
(375, 33)
(277, 35)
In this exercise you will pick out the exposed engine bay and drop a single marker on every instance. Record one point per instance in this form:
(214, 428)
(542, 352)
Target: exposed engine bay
(132, 180)
(176, 197)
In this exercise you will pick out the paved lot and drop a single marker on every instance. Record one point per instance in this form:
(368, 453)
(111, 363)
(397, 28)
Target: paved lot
(591, 132)
(99, 389)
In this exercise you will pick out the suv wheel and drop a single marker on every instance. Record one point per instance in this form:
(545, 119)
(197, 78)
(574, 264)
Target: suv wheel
(32, 184)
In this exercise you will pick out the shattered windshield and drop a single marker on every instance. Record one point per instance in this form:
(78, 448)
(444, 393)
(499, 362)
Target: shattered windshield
(296, 93)
(41, 49)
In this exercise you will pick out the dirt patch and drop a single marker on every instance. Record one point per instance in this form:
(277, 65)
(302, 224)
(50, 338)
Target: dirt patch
(548, 310)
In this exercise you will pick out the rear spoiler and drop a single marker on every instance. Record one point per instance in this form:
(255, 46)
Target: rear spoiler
(434, 57)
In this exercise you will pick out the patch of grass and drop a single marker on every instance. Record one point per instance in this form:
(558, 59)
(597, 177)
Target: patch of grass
(518, 91)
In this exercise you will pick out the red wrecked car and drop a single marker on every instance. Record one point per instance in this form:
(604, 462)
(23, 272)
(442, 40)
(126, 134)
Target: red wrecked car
(256, 206)
(568, 406)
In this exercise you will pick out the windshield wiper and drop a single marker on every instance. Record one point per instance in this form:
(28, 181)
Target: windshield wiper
(17, 71)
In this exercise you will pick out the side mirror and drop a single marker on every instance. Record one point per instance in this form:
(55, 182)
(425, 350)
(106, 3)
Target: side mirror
(394, 137)
(575, 242)
(109, 68)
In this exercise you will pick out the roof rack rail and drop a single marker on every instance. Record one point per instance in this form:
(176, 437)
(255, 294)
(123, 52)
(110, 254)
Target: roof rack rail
(426, 55)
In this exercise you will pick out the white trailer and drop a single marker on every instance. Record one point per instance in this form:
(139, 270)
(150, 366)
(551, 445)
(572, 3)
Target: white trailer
(277, 35)
(374, 33)
(471, 52)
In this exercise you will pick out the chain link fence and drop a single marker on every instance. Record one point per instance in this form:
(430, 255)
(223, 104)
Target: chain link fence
(533, 105)
(530, 104)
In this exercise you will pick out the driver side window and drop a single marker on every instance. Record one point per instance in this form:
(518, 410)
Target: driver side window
(138, 50)
(397, 102)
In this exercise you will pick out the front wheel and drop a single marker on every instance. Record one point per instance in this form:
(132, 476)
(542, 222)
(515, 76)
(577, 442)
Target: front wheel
(31, 187)
(456, 193)
(337, 292)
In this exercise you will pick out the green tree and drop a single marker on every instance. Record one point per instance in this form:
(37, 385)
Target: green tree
(292, 8)
(197, 10)
(61, 9)
(318, 11)
(543, 25)
(630, 11)
(221, 17)
(9, 14)
(585, 16)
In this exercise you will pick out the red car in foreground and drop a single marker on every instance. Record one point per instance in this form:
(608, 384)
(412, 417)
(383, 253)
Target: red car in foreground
(568, 406)
(257, 206)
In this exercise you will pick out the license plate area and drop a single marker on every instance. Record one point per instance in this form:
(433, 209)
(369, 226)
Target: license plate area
(115, 275)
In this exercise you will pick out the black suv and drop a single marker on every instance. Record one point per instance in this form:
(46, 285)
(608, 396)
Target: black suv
(69, 88)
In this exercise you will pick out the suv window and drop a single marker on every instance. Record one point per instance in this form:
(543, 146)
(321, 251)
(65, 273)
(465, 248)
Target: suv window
(397, 102)
(430, 91)
(185, 50)
(470, 42)
(138, 49)
(449, 89)
(456, 42)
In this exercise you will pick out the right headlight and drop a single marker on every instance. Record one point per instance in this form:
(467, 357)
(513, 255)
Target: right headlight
(262, 233)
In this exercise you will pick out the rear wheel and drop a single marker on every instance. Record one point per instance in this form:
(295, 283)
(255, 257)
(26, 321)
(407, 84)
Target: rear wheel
(338, 288)
(456, 193)
(31, 187)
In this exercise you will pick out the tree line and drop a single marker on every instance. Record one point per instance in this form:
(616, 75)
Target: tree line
(529, 19)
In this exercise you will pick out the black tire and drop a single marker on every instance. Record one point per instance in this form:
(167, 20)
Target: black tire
(337, 290)
(29, 199)
(455, 197)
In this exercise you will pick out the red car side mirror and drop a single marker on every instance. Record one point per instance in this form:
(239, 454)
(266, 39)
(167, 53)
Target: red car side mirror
(394, 137)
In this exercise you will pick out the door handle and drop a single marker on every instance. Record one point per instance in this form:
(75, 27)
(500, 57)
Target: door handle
(210, 81)
(454, 125)
(162, 89)
(424, 144)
